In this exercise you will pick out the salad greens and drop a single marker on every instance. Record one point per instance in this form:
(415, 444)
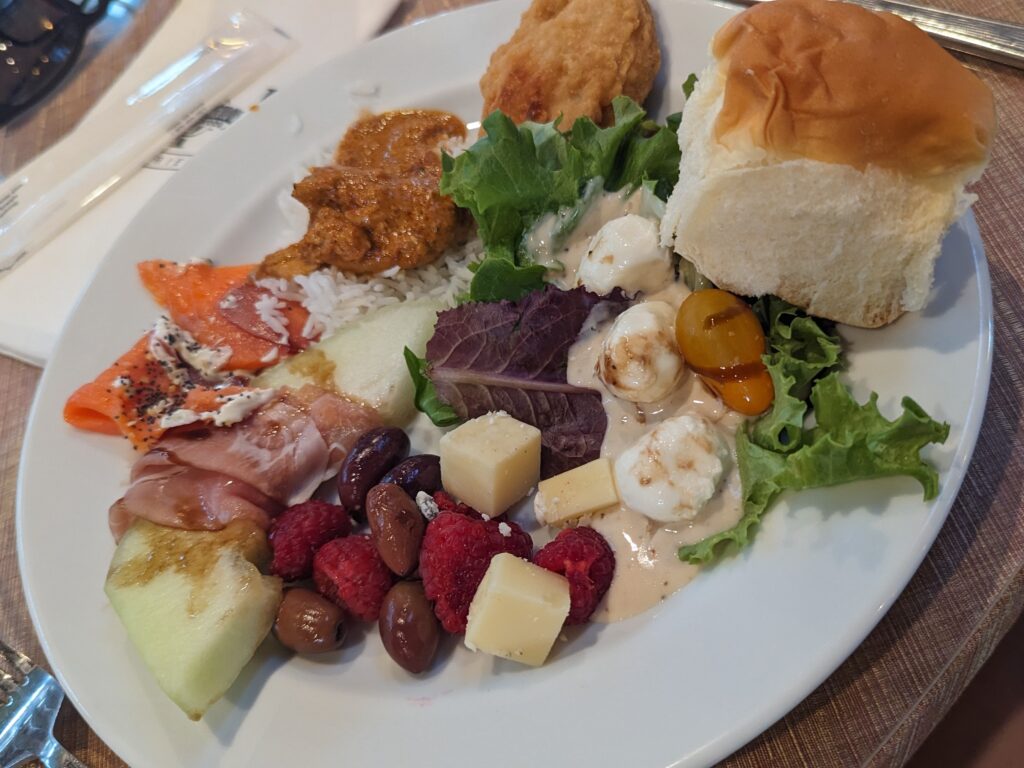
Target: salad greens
(689, 84)
(512, 357)
(425, 393)
(849, 441)
(515, 174)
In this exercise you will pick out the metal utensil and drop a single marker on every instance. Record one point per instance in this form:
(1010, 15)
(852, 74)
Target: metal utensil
(998, 41)
(29, 702)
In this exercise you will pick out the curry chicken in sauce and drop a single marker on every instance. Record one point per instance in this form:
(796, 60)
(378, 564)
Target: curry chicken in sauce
(378, 207)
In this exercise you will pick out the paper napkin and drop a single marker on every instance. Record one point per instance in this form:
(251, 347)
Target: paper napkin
(37, 297)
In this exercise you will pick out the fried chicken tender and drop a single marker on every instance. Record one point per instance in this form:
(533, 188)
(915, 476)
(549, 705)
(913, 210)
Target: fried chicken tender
(379, 207)
(572, 57)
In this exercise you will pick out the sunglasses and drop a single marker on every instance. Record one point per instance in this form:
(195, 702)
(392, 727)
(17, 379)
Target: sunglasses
(40, 41)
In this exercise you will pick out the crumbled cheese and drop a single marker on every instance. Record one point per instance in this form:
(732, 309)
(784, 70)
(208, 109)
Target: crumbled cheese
(177, 350)
(504, 529)
(157, 408)
(234, 408)
(120, 382)
(428, 507)
(237, 407)
(229, 302)
(179, 418)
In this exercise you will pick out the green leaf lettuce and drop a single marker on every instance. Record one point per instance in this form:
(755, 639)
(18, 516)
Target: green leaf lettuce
(513, 175)
(849, 441)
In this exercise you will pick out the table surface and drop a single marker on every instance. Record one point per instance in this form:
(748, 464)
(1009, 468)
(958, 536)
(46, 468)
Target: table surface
(881, 704)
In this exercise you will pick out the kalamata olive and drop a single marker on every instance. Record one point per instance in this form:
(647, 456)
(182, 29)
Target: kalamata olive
(417, 473)
(374, 453)
(309, 623)
(408, 627)
(396, 527)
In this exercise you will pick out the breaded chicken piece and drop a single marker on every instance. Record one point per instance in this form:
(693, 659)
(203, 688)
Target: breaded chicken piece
(572, 57)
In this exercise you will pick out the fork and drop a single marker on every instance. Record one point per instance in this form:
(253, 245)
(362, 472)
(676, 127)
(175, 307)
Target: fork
(29, 701)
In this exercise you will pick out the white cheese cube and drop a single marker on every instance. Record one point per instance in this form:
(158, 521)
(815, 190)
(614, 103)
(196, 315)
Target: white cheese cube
(518, 610)
(578, 492)
(491, 462)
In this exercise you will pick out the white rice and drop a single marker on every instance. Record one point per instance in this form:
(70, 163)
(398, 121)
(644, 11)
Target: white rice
(333, 297)
(271, 311)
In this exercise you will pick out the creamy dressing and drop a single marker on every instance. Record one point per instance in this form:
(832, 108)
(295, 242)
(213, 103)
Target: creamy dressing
(647, 568)
(562, 256)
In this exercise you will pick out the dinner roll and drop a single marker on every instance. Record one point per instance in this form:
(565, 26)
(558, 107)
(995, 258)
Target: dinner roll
(825, 151)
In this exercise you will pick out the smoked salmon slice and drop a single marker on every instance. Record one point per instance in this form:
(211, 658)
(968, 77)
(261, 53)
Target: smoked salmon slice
(217, 306)
(127, 397)
(192, 294)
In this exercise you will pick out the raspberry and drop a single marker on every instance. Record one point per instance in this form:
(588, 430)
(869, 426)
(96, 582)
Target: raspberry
(454, 557)
(584, 557)
(350, 572)
(447, 503)
(298, 532)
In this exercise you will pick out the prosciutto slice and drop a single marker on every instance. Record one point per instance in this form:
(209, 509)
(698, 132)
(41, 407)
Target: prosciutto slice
(180, 496)
(203, 478)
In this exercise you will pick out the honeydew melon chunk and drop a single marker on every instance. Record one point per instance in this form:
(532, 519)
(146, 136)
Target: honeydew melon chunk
(194, 604)
(364, 359)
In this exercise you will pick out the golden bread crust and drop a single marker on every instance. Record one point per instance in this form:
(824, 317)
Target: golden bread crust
(834, 82)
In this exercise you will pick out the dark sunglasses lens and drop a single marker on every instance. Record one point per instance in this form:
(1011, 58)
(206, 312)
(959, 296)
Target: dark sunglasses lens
(28, 73)
(40, 41)
(25, 22)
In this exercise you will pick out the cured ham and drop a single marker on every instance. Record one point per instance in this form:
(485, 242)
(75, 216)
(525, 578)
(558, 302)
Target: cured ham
(202, 477)
(180, 496)
(241, 307)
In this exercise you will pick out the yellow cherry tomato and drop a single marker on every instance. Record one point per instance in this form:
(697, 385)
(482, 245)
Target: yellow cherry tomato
(722, 341)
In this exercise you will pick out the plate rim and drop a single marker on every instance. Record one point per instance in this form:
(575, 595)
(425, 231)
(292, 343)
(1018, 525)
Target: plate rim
(728, 742)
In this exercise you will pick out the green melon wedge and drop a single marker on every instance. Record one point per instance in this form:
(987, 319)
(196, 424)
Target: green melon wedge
(195, 605)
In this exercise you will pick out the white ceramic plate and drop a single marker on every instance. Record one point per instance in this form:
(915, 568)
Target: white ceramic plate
(684, 684)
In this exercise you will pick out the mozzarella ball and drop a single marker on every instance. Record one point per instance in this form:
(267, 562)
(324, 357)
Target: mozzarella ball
(674, 470)
(625, 253)
(640, 360)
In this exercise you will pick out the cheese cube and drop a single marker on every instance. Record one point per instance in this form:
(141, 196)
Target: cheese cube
(517, 611)
(578, 492)
(491, 462)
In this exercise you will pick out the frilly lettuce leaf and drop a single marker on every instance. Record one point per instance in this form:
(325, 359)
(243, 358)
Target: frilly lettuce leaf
(849, 441)
(801, 348)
